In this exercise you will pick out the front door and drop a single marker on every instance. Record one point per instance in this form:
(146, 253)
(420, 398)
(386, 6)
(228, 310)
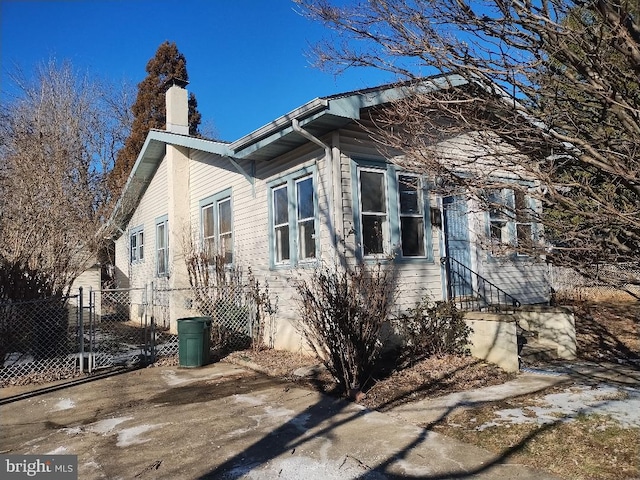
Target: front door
(457, 245)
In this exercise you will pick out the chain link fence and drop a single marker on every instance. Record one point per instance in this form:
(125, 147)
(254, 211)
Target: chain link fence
(118, 332)
(56, 338)
(232, 310)
(39, 340)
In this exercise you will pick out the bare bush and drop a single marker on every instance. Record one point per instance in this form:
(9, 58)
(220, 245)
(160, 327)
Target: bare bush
(432, 328)
(342, 318)
(243, 313)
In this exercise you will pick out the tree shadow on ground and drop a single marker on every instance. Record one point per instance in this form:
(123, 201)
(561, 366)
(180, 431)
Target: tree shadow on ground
(337, 421)
(608, 331)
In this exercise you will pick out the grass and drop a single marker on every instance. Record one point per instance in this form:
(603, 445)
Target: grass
(586, 447)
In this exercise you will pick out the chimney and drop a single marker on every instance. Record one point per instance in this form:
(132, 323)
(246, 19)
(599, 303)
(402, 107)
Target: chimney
(177, 106)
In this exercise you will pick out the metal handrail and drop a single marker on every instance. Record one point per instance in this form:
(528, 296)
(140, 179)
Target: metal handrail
(485, 295)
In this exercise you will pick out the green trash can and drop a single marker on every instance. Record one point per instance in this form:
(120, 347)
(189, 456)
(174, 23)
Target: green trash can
(193, 341)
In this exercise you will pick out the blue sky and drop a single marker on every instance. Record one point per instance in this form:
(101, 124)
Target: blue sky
(246, 59)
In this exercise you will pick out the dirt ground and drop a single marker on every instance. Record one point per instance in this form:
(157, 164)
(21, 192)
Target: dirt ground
(606, 331)
(427, 378)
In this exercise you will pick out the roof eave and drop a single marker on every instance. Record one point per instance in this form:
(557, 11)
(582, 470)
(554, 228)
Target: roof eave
(147, 163)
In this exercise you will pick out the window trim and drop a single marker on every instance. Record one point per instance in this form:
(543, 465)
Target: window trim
(162, 221)
(214, 202)
(511, 217)
(394, 246)
(386, 236)
(136, 232)
(291, 181)
(423, 201)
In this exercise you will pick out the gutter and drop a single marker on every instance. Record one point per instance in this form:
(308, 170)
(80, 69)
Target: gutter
(329, 166)
(307, 109)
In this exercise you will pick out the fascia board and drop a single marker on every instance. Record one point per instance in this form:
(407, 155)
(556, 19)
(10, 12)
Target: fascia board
(271, 129)
(146, 165)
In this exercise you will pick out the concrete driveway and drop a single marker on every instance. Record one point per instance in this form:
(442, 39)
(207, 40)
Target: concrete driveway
(221, 421)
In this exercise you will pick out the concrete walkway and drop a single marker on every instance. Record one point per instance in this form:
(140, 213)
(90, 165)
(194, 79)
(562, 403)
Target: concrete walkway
(432, 410)
(225, 422)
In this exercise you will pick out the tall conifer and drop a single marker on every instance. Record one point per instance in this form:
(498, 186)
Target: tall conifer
(149, 109)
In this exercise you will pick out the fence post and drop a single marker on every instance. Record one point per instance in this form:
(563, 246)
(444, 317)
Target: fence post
(81, 328)
(92, 320)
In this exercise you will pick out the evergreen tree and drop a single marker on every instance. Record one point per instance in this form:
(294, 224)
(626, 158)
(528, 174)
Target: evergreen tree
(149, 109)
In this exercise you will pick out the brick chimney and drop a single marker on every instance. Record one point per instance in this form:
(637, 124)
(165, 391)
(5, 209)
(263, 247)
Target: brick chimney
(177, 103)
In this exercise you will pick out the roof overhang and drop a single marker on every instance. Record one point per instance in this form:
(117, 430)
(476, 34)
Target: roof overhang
(145, 167)
(317, 117)
(322, 115)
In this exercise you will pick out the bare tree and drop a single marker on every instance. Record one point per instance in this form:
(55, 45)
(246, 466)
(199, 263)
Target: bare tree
(547, 90)
(57, 140)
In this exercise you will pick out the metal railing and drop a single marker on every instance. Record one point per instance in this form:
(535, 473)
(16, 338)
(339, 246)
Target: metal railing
(470, 291)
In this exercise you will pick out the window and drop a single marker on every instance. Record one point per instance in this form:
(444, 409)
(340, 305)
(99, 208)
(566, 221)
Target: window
(281, 223)
(412, 231)
(136, 252)
(293, 219)
(373, 212)
(510, 220)
(524, 226)
(498, 218)
(217, 226)
(391, 214)
(162, 247)
(305, 213)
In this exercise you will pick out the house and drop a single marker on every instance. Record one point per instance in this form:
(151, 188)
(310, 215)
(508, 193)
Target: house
(310, 186)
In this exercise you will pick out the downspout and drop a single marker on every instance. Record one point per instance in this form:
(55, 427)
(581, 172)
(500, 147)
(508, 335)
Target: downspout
(328, 157)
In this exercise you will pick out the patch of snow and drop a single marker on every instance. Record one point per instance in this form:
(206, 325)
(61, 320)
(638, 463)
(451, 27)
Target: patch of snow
(105, 426)
(304, 467)
(57, 451)
(248, 400)
(172, 379)
(622, 404)
(64, 404)
(17, 358)
(281, 415)
(129, 436)
(300, 421)
(412, 470)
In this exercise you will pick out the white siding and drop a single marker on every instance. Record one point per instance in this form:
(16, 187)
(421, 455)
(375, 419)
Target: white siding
(415, 278)
(211, 174)
(152, 205)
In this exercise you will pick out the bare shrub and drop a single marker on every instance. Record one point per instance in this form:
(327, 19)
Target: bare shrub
(342, 314)
(432, 328)
(264, 331)
(243, 313)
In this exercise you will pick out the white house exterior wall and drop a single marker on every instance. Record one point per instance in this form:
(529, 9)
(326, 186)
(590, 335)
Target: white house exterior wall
(211, 174)
(152, 205)
(416, 278)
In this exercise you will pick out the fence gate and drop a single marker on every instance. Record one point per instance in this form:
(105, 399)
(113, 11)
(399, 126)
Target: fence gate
(54, 338)
(116, 331)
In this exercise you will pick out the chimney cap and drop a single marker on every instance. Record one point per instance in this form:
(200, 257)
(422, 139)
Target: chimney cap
(178, 82)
